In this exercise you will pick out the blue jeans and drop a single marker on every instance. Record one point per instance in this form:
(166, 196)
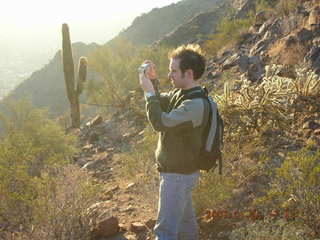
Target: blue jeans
(176, 216)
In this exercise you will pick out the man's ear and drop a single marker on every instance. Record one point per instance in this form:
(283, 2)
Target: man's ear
(189, 73)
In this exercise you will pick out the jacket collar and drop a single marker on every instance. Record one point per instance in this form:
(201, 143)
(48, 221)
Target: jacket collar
(184, 91)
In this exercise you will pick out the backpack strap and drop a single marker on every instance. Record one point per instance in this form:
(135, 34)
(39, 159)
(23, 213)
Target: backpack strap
(213, 125)
(203, 93)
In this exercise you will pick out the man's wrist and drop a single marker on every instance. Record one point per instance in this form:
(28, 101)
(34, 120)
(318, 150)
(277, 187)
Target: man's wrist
(148, 94)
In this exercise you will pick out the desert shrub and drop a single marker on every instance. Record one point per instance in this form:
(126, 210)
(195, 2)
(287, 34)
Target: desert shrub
(295, 186)
(63, 197)
(272, 229)
(212, 191)
(229, 32)
(30, 145)
(268, 105)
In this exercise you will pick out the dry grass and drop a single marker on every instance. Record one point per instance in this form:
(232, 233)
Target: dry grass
(285, 54)
(59, 210)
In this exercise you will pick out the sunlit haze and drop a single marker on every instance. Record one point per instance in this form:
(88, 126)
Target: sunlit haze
(89, 21)
(31, 30)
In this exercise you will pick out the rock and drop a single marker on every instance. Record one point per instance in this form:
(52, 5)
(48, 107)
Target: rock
(259, 47)
(106, 227)
(314, 18)
(130, 208)
(244, 63)
(256, 69)
(308, 118)
(130, 185)
(93, 165)
(137, 227)
(316, 132)
(95, 121)
(231, 61)
(226, 54)
(313, 58)
(260, 17)
(87, 147)
(82, 161)
(304, 35)
(275, 27)
(122, 227)
(316, 41)
(265, 26)
(311, 125)
(151, 223)
(130, 237)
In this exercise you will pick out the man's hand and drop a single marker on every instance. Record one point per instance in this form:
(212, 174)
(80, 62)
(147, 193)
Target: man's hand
(151, 70)
(145, 82)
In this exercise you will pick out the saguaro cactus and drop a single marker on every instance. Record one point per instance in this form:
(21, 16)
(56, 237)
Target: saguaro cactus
(74, 86)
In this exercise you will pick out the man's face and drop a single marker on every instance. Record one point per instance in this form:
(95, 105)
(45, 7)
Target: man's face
(175, 75)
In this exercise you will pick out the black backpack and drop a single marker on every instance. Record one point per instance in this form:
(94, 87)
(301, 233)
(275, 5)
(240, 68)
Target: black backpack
(213, 133)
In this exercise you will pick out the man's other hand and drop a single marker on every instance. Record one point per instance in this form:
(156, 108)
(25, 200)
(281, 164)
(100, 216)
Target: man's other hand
(145, 82)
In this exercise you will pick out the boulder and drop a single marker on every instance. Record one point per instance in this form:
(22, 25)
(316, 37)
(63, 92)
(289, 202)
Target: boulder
(151, 223)
(106, 227)
(311, 125)
(314, 18)
(256, 69)
(313, 58)
(304, 35)
(137, 227)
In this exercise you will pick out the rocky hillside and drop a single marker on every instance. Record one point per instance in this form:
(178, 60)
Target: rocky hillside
(197, 28)
(155, 24)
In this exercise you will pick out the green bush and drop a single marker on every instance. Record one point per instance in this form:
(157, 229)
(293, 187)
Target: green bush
(35, 178)
(271, 229)
(229, 32)
(295, 186)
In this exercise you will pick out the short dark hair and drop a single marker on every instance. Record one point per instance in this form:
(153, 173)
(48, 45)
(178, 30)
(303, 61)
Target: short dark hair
(191, 57)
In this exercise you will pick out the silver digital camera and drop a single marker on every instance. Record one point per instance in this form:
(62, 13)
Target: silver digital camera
(142, 69)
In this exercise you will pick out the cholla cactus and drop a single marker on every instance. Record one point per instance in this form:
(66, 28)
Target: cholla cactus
(74, 87)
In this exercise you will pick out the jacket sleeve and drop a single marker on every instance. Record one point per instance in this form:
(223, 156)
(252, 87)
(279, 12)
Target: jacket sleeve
(163, 97)
(189, 113)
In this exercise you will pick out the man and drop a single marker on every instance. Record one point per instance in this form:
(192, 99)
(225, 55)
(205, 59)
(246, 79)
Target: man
(180, 123)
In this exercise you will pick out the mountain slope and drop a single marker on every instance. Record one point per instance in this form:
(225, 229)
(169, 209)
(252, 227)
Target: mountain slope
(46, 87)
(152, 26)
(199, 26)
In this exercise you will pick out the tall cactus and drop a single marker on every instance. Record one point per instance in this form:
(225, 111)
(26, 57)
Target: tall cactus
(74, 86)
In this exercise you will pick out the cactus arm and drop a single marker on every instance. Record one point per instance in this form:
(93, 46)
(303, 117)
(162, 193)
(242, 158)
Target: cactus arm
(82, 74)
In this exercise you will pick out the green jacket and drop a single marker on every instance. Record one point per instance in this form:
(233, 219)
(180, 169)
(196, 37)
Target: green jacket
(180, 127)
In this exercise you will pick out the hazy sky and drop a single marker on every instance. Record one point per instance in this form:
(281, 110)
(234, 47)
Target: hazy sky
(89, 21)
